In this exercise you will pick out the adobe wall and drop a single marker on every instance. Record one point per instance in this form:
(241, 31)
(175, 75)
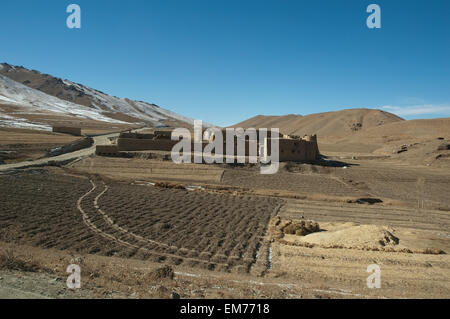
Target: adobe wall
(67, 130)
(133, 144)
(107, 150)
(224, 134)
(295, 150)
(148, 136)
(163, 134)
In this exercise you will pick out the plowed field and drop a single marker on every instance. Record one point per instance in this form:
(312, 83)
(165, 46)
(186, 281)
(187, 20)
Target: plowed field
(213, 231)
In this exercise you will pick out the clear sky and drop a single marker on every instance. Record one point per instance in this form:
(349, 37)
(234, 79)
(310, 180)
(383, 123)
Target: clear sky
(224, 61)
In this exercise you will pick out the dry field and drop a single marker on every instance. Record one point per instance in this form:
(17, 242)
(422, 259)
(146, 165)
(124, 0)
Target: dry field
(214, 226)
(211, 231)
(140, 169)
(17, 145)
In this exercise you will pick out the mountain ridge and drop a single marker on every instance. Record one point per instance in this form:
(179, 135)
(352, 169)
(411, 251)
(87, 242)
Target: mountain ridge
(336, 123)
(106, 107)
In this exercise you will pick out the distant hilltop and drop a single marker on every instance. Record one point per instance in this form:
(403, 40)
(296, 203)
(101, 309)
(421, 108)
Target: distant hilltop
(339, 123)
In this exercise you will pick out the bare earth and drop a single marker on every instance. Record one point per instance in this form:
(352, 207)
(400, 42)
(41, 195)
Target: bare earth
(146, 228)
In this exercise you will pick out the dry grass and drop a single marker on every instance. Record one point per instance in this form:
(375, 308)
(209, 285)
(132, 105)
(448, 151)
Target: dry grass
(169, 185)
(10, 259)
(158, 274)
(301, 228)
(279, 227)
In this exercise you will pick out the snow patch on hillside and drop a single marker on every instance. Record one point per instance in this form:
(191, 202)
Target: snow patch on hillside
(17, 122)
(33, 101)
(141, 110)
(17, 93)
(5, 99)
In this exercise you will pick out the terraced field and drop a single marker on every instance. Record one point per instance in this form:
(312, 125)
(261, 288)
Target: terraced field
(198, 229)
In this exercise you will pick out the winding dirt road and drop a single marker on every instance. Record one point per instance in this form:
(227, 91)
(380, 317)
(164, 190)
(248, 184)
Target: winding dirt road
(98, 140)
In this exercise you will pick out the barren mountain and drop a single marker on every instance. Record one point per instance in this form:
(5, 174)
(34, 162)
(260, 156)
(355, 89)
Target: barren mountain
(367, 133)
(340, 123)
(24, 91)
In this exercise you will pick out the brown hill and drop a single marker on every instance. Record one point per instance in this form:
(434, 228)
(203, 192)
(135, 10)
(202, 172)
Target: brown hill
(329, 124)
(366, 133)
(112, 107)
(418, 142)
(414, 140)
(45, 83)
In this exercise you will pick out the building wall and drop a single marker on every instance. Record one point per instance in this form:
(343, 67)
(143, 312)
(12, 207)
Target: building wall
(148, 136)
(108, 150)
(67, 130)
(294, 149)
(224, 134)
(163, 134)
(305, 149)
(133, 144)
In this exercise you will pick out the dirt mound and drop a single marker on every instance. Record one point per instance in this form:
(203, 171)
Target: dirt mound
(301, 228)
(362, 236)
(278, 227)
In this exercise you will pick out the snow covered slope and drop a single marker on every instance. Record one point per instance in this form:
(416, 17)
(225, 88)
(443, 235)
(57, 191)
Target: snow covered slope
(40, 93)
(140, 110)
(31, 101)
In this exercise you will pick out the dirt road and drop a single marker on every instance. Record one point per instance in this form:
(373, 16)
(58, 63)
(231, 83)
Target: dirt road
(67, 157)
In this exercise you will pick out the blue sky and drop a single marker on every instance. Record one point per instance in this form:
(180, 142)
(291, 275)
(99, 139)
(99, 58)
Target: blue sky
(224, 61)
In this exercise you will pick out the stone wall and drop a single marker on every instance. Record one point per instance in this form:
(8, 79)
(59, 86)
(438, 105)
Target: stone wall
(72, 147)
(67, 130)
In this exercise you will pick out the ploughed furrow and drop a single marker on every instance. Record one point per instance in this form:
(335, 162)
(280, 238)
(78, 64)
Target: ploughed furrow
(100, 223)
(223, 230)
(196, 228)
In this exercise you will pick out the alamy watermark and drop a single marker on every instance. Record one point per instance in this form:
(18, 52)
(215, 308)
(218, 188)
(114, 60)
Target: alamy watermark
(207, 146)
(374, 280)
(374, 19)
(73, 21)
(74, 279)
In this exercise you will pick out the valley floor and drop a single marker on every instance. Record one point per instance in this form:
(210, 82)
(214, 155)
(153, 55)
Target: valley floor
(129, 223)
